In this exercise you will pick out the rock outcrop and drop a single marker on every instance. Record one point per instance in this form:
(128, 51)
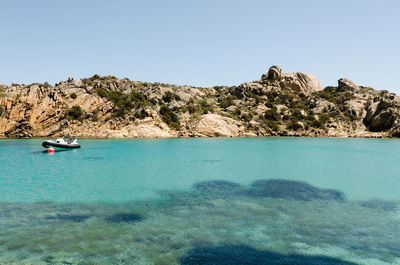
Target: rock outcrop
(214, 125)
(287, 104)
(274, 73)
(300, 83)
(381, 116)
(345, 84)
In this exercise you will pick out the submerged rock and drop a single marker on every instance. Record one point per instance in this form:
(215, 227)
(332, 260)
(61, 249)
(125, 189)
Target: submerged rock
(76, 218)
(288, 189)
(124, 218)
(243, 255)
(217, 185)
(380, 204)
(219, 188)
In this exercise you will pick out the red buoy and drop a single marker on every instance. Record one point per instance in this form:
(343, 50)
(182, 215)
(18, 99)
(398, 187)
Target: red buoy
(50, 150)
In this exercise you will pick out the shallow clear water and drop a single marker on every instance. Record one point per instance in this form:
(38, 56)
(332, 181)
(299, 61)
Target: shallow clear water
(152, 202)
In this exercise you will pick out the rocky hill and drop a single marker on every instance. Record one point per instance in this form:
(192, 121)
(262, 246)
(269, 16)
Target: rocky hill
(285, 104)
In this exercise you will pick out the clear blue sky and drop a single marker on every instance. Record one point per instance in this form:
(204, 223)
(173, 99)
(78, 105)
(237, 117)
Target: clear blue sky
(203, 43)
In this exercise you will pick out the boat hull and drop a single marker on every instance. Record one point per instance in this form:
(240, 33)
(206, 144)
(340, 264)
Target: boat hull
(47, 144)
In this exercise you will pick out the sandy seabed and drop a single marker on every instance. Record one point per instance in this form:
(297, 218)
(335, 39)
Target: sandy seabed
(211, 223)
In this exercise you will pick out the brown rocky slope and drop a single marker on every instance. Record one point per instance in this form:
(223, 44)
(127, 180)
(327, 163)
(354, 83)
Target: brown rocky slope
(285, 104)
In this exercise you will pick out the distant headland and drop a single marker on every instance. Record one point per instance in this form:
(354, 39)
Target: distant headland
(278, 104)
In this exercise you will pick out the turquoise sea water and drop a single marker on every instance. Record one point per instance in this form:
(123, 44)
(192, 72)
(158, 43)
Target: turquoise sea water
(176, 201)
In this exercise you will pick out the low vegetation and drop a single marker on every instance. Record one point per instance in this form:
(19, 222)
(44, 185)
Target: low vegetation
(75, 113)
(169, 117)
(125, 103)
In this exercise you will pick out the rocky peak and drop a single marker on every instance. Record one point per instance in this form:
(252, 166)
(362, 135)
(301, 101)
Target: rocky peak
(274, 73)
(345, 84)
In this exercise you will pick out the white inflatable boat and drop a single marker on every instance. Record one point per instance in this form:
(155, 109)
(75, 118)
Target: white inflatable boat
(62, 143)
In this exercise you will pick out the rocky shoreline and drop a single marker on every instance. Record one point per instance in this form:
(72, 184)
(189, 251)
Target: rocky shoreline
(278, 104)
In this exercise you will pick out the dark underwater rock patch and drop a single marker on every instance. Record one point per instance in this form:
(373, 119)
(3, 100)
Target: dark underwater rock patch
(380, 204)
(243, 255)
(76, 218)
(288, 189)
(219, 188)
(217, 185)
(124, 218)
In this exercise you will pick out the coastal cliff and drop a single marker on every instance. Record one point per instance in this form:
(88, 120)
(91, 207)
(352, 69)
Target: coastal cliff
(278, 104)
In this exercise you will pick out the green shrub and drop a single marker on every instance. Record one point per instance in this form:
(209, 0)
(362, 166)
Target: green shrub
(176, 97)
(169, 117)
(326, 94)
(75, 113)
(153, 101)
(331, 95)
(298, 104)
(140, 114)
(343, 97)
(310, 118)
(206, 107)
(272, 114)
(73, 96)
(294, 125)
(256, 97)
(273, 125)
(191, 108)
(102, 92)
(137, 97)
(270, 105)
(285, 98)
(237, 112)
(226, 102)
(324, 118)
(271, 95)
(316, 123)
(350, 115)
(167, 97)
(245, 118)
(123, 103)
(296, 115)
